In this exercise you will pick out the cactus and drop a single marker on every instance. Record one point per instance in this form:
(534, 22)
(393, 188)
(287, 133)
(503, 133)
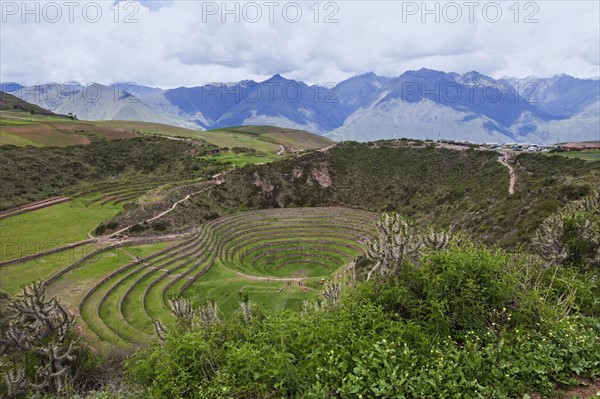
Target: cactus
(394, 242)
(572, 234)
(207, 315)
(397, 240)
(160, 330)
(41, 327)
(332, 293)
(245, 305)
(548, 240)
(183, 311)
(16, 382)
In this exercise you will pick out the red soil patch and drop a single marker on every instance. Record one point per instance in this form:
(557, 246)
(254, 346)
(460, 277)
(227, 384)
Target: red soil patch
(62, 134)
(46, 135)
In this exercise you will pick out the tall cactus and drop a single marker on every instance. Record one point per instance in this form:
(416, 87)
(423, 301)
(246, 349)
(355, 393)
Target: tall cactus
(436, 239)
(41, 327)
(548, 240)
(207, 315)
(160, 330)
(332, 293)
(397, 240)
(394, 242)
(571, 235)
(183, 311)
(246, 309)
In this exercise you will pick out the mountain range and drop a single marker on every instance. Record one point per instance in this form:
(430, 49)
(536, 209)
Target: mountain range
(421, 104)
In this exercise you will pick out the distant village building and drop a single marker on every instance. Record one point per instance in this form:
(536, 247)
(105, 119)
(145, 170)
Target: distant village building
(590, 145)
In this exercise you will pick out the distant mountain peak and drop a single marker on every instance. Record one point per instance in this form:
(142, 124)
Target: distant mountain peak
(425, 73)
(277, 78)
(423, 103)
(368, 75)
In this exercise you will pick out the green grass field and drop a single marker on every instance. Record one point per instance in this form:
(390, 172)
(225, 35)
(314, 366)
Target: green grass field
(14, 122)
(244, 158)
(51, 227)
(588, 155)
(224, 138)
(264, 139)
(15, 139)
(223, 286)
(12, 277)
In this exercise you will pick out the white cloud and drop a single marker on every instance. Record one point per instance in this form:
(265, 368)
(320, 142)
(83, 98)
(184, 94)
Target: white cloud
(187, 43)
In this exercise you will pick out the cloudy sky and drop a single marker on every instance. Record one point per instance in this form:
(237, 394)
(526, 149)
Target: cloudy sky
(170, 44)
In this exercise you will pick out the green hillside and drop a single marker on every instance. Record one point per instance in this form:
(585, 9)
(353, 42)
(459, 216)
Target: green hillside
(10, 102)
(25, 124)
(464, 190)
(266, 139)
(74, 169)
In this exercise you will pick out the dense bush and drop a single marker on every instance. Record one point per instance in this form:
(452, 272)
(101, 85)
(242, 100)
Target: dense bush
(468, 322)
(31, 173)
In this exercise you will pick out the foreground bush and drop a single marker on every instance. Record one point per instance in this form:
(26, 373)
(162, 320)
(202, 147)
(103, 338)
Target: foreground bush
(468, 323)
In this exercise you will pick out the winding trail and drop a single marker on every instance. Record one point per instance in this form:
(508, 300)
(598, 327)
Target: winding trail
(187, 197)
(164, 212)
(503, 159)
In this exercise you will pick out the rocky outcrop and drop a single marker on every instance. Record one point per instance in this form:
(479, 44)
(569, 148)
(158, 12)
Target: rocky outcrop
(265, 185)
(320, 174)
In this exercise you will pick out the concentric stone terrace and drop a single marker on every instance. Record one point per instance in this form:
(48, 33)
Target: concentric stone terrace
(262, 251)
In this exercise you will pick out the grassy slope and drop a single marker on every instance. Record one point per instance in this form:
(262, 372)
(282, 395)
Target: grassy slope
(43, 128)
(51, 227)
(259, 138)
(12, 277)
(71, 287)
(10, 102)
(588, 155)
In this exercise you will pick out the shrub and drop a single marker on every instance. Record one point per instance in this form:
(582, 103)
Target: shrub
(465, 322)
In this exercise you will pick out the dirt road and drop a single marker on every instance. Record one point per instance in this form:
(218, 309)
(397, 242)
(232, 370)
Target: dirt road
(503, 159)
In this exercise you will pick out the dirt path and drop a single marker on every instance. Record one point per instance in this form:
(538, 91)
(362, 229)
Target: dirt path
(187, 197)
(281, 150)
(266, 278)
(329, 147)
(503, 159)
(163, 213)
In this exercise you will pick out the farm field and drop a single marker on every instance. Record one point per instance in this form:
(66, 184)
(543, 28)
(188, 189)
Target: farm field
(23, 128)
(20, 128)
